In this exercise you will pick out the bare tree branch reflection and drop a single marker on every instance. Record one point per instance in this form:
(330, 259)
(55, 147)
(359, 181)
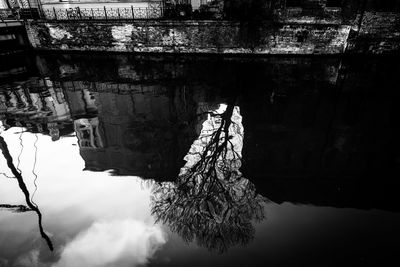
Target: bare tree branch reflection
(15, 208)
(24, 189)
(211, 202)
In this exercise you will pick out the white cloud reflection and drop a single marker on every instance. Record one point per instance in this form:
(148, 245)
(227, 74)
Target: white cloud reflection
(117, 243)
(95, 219)
(30, 259)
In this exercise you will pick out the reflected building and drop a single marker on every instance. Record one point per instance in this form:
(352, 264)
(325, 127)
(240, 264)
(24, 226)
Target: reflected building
(141, 134)
(37, 104)
(139, 130)
(87, 132)
(81, 101)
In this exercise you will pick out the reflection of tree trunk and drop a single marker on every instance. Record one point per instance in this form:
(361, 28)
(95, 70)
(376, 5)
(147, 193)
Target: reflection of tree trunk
(8, 4)
(24, 189)
(215, 149)
(211, 202)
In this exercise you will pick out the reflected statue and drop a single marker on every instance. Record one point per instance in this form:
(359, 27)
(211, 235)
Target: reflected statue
(24, 189)
(211, 202)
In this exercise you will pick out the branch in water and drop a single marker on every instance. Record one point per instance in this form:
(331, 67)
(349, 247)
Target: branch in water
(24, 189)
(15, 208)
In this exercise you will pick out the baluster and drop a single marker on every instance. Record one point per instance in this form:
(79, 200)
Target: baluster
(30, 9)
(105, 12)
(55, 14)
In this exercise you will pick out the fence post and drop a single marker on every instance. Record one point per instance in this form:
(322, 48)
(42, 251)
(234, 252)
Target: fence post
(133, 13)
(30, 9)
(79, 12)
(40, 8)
(55, 14)
(119, 16)
(105, 12)
(92, 13)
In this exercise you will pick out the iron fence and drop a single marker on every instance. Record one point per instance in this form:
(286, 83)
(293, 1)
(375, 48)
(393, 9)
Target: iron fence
(7, 14)
(155, 10)
(19, 14)
(129, 13)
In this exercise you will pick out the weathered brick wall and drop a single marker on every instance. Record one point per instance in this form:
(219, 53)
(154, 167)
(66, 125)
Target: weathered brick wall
(305, 16)
(379, 33)
(190, 37)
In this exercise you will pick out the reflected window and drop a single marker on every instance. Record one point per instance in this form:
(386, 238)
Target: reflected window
(87, 132)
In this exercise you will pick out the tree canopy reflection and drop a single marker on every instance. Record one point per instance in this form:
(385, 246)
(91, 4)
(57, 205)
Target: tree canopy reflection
(211, 202)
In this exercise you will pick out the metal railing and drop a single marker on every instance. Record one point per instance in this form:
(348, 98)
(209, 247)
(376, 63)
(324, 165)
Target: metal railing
(19, 14)
(7, 14)
(154, 10)
(102, 13)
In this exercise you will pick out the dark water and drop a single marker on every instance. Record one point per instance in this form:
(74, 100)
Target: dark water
(116, 160)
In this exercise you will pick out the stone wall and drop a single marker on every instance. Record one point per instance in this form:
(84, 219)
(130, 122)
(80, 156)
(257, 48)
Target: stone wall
(190, 37)
(296, 32)
(379, 33)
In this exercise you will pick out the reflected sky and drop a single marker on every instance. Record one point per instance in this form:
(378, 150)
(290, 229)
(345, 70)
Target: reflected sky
(80, 208)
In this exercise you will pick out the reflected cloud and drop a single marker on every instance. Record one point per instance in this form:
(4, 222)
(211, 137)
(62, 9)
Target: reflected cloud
(30, 259)
(118, 206)
(116, 243)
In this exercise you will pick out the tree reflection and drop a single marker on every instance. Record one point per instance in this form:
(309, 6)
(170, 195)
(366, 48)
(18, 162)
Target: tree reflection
(24, 189)
(211, 202)
(15, 208)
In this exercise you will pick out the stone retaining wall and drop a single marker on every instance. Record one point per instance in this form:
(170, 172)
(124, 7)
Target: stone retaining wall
(379, 33)
(190, 37)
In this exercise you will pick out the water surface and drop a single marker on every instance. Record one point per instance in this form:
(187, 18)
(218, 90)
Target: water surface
(118, 160)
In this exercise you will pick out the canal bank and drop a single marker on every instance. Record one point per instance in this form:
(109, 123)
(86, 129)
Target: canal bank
(309, 27)
(190, 37)
(374, 33)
